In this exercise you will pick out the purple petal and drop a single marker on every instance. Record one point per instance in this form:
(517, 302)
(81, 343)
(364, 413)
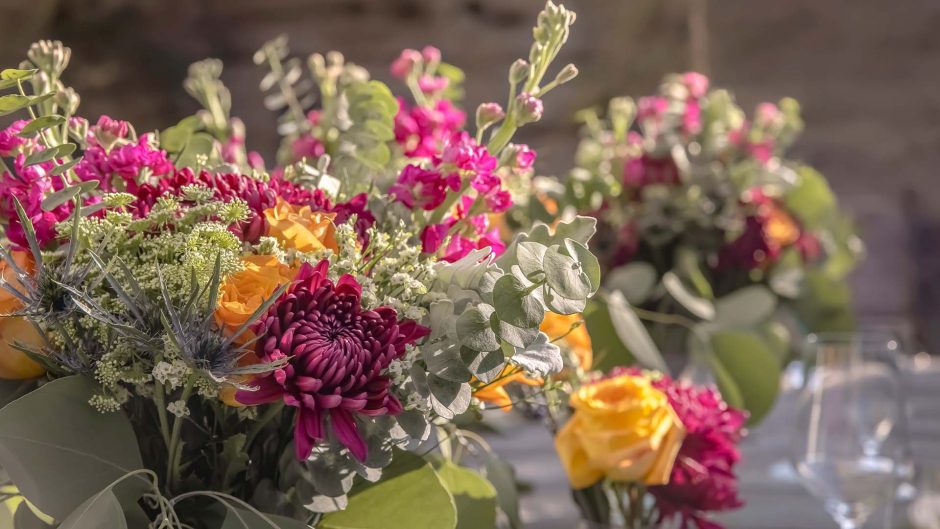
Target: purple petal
(344, 426)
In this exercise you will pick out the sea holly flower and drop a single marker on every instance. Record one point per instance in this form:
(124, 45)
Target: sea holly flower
(338, 353)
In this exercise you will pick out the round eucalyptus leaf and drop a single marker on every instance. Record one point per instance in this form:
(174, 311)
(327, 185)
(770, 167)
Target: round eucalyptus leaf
(589, 264)
(475, 329)
(698, 306)
(634, 280)
(486, 366)
(529, 256)
(448, 399)
(744, 308)
(564, 275)
(560, 305)
(515, 305)
(517, 336)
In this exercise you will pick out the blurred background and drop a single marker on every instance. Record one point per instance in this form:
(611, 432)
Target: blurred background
(865, 72)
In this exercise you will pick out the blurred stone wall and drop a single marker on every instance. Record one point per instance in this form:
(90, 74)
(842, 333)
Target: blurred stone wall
(865, 71)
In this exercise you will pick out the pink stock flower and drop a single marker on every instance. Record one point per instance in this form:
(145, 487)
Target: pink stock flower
(423, 188)
(107, 131)
(431, 54)
(696, 83)
(649, 170)
(338, 353)
(307, 146)
(525, 158)
(463, 152)
(422, 131)
(126, 162)
(432, 236)
(692, 117)
(30, 185)
(9, 139)
(430, 84)
(405, 63)
(703, 479)
(651, 108)
(530, 108)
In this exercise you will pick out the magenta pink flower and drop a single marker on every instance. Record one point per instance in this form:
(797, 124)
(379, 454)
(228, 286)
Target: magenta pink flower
(431, 54)
(431, 84)
(338, 355)
(9, 139)
(422, 131)
(525, 158)
(649, 170)
(432, 236)
(30, 185)
(651, 108)
(696, 83)
(422, 188)
(703, 479)
(692, 117)
(126, 162)
(403, 66)
(107, 131)
(307, 146)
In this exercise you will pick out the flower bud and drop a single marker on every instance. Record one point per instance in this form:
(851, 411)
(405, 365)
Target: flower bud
(518, 71)
(566, 74)
(50, 56)
(405, 63)
(431, 54)
(489, 113)
(530, 108)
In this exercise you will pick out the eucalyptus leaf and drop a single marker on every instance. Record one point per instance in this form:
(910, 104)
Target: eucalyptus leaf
(101, 510)
(697, 305)
(486, 366)
(444, 360)
(410, 495)
(517, 336)
(529, 255)
(750, 371)
(589, 264)
(634, 280)
(541, 357)
(560, 305)
(10, 76)
(564, 274)
(64, 167)
(475, 329)
(633, 333)
(60, 451)
(744, 308)
(448, 398)
(503, 478)
(608, 350)
(579, 229)
(514, 304)
(474, 496)
(11, 103)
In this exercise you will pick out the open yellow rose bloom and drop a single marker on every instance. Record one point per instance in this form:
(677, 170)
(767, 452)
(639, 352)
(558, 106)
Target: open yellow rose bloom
(301, 228)
(623, 429)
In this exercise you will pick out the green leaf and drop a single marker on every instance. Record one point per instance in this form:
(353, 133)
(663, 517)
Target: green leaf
(10, 76)
(633, 333)
(486, 365)
(199, 144)
(634, 280)
(514, 303)
(503, 478)
(579, 229)
(475, 329)
(175, 138)
(540, 357)
(41, 123)
(11, 103)
(60, 451)
(25, 518)
(609, 351)
(54, 200)
(688, 263)
(45, 155)
(564, 275)
(747, 371)
(474, 496)
(410, 495)
(59, 169)
(517, 336)
(744, 308)
(698, 306)
(101, 510)
(238, 518)
(811, 200)
(529, 255)
(448, 398)
(589, 264)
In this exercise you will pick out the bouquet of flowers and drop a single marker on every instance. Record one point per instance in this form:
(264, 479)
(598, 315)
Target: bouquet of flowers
(193, 339)
(720, 252)
(642, 450)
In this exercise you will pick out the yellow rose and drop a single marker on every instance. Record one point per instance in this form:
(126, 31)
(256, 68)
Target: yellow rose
(244, 291)
(495, 392)
(301, 228)
(576, 340)
(15, 364)
(623, 429)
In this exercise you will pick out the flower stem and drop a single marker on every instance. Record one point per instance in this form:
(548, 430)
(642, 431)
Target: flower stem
(174, 451)
(273, 411)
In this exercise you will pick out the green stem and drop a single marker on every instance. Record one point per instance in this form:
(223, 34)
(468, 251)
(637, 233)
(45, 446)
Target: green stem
(160, 401)
(502, 135)
(273, 411)
(175, 450)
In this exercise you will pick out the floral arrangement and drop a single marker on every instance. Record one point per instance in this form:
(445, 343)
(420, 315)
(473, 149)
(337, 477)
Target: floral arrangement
(719, 251)
(643, 450)
(193, 338)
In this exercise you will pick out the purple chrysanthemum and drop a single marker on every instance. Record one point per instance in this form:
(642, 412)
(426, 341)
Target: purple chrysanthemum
(338, 356)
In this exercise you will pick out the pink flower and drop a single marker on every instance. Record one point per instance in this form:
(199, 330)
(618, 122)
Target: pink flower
(692, 117)
(530, 108)
(430, 84)
(307, 146)
(338, 354)
(696, 83)
(107, 131)
(463, 152)
(9, 139)
(422, 131)
(651, 108)
(30, 185)
(430, 54)
(422, 188)
(405, 63)
(703, 479)
(432, 236)
(649, 170)
(126, 161)
(768, 115)
(525, 157)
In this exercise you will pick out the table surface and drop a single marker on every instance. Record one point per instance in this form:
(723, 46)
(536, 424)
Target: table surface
(773, 497)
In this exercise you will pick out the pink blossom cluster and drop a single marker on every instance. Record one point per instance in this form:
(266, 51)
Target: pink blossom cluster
(30, 185)
(422, 65)
(462, 166)
(422, 130)
(702, 479)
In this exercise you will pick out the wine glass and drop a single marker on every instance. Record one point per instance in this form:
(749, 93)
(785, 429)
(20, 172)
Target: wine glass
(849, 442)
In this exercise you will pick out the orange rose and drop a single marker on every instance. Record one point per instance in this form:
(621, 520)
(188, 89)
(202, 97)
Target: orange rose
(15, 364)
(301, 228)
(495, 392)
(575, 339)
(243, 292)
(780, 227)
(623, 429)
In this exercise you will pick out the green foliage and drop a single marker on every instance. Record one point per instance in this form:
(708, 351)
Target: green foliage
(409, 485)
(747, 371)
(474, 496)
(65, 455)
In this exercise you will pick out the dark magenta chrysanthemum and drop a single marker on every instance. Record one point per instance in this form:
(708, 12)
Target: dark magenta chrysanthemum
(338, 356)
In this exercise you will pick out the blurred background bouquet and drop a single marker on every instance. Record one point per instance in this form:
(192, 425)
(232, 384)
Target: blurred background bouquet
(195, 338)
(719, 252)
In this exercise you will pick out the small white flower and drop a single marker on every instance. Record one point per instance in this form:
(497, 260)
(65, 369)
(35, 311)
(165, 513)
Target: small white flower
(178, 408)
